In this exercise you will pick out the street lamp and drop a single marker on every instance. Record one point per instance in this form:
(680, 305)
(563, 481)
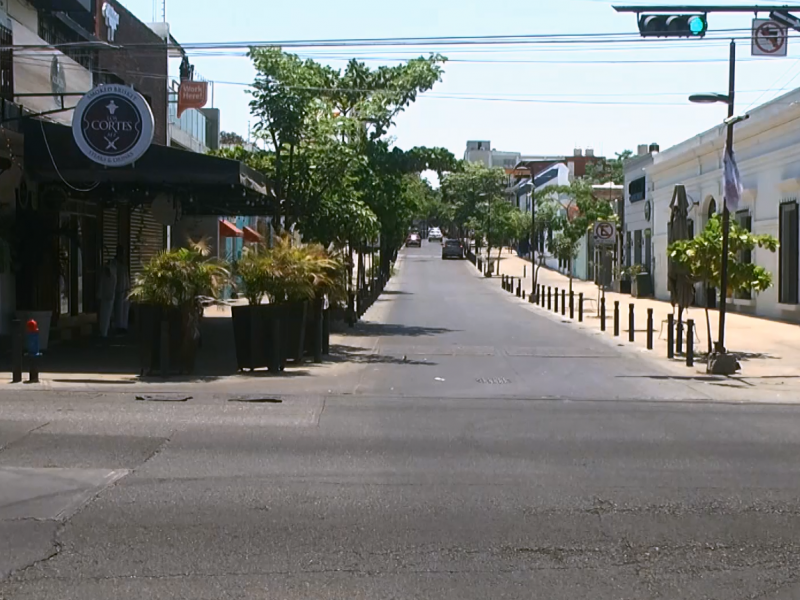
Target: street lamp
(721, 362)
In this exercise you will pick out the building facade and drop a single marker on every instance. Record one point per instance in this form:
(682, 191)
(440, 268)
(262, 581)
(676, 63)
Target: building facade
(767, 148)
(479, 151)
(637, 220)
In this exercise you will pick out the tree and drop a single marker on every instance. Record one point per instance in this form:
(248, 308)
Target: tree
(468, 189)
(230, 138)
(607, 169)
(581, 209)
(700, 259)
(548, 219)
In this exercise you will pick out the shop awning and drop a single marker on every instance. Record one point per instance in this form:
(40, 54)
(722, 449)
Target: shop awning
(205, 185)
(228, 229)
(251, 235)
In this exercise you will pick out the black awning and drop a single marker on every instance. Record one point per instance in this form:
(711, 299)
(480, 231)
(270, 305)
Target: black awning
(208, 184)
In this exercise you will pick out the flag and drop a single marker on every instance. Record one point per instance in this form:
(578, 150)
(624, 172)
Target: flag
(731, 181)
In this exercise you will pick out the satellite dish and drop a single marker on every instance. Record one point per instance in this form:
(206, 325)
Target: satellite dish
(165, 209)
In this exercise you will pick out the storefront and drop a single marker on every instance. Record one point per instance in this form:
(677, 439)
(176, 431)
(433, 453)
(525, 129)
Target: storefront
(80, 212)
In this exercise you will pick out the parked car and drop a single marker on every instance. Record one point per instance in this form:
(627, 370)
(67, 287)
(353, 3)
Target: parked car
(452, 249)
(414, 240)
(434, 234)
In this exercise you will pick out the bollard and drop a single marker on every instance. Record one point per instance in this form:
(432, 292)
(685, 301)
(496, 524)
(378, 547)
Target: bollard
(602, 314)
(670, 336)
(563, 302)
(549, 290)
(16, 351)
(631, 324)
(689, 344)
(32, 350)
(524, 271)
(649, 328)
(679, 339)
(503, 281)
(571, 304)
(616, 318)
(580, 307)
(519, 288)
(523, 294)
(555, 300)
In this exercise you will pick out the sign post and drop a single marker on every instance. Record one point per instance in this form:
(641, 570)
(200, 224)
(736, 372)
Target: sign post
(605, 237)
(769, 38)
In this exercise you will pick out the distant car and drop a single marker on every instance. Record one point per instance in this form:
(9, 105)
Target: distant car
(452, 249)
(414, 240)
(434, 234)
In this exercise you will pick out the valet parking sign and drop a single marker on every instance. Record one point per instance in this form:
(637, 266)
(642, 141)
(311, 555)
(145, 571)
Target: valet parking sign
(113, 125)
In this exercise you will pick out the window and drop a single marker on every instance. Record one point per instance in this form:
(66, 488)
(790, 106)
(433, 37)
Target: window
(628, 248)
(787, 253)
(745, 221)
(54, 32)
(636, 189)
(637, 247)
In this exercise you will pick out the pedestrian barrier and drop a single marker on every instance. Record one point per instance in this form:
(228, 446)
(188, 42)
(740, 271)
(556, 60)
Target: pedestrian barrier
(580, 307)
(571, 304)
(670, 336)
(555, 301)
(690, 342)
(563, 302)
(602, 314)
(631, 328)
(616, 318)
(649, 328)
(549, 290)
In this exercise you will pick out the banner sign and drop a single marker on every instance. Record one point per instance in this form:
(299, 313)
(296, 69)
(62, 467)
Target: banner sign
(192, 94)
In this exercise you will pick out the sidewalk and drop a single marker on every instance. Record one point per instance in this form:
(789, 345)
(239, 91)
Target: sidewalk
(768, 351)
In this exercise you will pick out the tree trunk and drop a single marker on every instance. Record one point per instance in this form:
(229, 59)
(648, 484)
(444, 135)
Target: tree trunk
(489, 258)
(569, 266)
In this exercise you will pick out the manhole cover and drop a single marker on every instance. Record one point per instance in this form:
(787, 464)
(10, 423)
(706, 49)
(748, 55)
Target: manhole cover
(493, 380)
(163, 398)
(257, 400)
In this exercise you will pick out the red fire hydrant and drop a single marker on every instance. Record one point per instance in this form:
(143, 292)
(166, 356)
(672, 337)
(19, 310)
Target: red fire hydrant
(32, 348)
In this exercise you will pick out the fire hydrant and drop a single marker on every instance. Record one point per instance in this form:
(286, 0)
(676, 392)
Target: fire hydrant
(32, 349)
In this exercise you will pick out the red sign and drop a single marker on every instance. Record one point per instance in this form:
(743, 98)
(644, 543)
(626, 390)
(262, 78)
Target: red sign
(192, 94)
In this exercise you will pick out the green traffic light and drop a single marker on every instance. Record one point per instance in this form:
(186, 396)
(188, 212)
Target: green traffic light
(697, 25)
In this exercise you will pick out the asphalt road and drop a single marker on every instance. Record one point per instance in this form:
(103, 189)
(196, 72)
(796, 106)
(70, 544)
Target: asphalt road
(480, 449)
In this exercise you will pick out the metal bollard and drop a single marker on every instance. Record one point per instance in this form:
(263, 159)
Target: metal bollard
(549, 291)
(523, 294)
(689, 344)
(571, 304)
(519, 288)
(602, 314)
(563, 302)
(670, 336)
(631, 325)
(679, 339)
(580, 307)
(649, 328)
(16, 351)
(524, 271)
(616, 318)
(555, 301)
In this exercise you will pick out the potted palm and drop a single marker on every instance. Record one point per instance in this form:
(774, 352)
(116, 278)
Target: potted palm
(289, 276)
(170, 294)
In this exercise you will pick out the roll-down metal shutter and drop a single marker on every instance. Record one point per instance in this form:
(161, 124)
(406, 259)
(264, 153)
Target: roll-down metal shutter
(110, 232)
(147, 238)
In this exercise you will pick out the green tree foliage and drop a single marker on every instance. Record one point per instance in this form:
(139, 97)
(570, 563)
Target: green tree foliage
(230, 138)
(699, 259)
(607, 169)
(469, 189)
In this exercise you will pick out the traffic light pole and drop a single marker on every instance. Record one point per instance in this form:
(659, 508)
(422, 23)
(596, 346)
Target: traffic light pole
(726, 214)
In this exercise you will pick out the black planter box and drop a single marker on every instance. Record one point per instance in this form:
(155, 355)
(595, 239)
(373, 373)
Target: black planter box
(315, 334)
(294, 329)
(642, 286)
(258, 336)
(165, 344)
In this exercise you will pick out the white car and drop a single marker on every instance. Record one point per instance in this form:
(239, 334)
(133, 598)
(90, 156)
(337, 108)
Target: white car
(434, 233)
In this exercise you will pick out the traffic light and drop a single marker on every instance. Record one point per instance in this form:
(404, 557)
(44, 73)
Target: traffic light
(673, 25)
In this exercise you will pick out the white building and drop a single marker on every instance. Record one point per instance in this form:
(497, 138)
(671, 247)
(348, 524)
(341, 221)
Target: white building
(637, 218)
(482, 151)
(767, 148)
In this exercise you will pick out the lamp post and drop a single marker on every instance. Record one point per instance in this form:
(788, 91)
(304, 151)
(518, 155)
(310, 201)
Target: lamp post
(721, 362)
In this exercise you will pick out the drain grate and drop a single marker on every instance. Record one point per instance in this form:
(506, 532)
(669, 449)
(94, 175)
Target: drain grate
(163, 398)
(256, 400)
(493, 380)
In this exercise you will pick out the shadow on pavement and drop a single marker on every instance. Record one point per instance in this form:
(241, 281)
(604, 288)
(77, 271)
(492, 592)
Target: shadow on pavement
(353, 354)
(396, 293)
(389, 329)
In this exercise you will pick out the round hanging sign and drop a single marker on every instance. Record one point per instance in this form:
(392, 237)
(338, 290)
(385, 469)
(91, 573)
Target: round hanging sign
(113, 125)
(647, 210)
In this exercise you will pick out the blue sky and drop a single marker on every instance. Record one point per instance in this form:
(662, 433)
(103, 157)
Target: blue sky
(535, 99)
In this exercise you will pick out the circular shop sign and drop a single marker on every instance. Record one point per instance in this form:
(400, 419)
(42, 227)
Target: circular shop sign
(647, 210)
(113, 125)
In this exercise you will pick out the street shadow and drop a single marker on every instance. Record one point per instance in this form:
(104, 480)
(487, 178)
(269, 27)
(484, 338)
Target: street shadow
(710, 378)
(354, 354)
(368, 329)
(396, 293)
